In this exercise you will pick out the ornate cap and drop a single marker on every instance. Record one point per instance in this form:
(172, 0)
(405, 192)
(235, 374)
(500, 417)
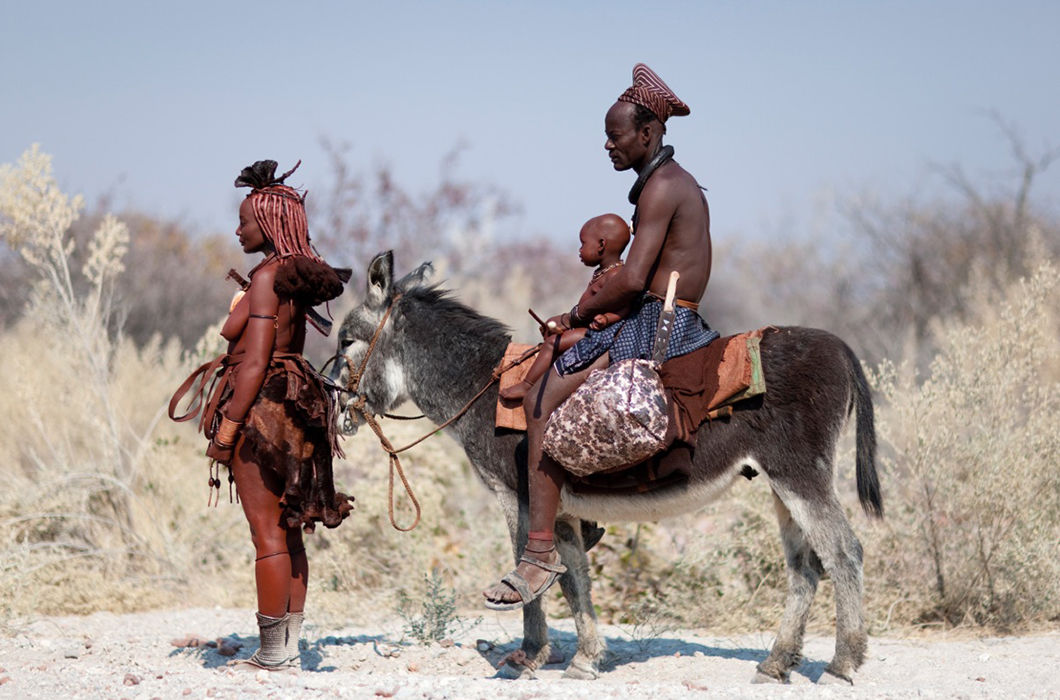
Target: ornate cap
(648, 90)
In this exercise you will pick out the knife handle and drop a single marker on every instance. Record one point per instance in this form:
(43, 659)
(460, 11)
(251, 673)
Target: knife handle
(671, 291)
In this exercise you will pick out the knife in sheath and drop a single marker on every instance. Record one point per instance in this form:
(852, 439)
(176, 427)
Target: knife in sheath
(666, 321)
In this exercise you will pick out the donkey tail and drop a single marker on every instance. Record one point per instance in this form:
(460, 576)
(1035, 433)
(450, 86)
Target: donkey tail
(861, 402)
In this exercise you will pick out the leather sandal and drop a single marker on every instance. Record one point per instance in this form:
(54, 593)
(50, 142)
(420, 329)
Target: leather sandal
(514, 580)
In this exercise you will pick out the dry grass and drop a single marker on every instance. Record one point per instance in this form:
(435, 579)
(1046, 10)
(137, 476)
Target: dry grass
(105, 505)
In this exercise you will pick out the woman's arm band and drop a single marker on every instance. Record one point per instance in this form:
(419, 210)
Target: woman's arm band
(226, 433)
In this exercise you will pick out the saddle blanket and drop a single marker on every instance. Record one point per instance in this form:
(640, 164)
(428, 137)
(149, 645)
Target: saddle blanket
(513, 417)
(703, 384)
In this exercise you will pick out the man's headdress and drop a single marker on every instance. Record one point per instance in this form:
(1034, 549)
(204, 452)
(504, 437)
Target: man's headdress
(649, 91)
(278, 208)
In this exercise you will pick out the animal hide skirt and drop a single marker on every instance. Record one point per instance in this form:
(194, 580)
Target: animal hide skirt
(289, 430)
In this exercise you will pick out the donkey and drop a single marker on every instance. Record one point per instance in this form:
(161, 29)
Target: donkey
(429, 348)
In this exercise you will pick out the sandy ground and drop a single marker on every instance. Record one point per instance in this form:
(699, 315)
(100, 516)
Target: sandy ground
(134, 656)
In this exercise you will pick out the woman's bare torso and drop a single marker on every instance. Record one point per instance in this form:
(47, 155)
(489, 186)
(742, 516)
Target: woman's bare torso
(290, 321)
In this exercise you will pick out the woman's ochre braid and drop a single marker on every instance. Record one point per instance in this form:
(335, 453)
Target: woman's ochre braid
(280, 212)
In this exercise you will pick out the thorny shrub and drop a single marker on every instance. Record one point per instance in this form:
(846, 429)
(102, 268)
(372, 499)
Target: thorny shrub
(430, 614)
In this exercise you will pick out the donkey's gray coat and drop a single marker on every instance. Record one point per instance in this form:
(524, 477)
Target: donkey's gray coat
(438, 353)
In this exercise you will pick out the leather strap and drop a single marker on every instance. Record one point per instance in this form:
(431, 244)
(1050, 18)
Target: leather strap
(205, 376)
(211, 384)
(554, 568)
(677, 302)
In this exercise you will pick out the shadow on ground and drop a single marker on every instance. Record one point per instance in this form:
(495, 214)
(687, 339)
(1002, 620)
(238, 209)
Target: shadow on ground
(312, 654)
(622, 651)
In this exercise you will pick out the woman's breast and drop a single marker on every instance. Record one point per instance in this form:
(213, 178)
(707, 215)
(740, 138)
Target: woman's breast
(238, 314)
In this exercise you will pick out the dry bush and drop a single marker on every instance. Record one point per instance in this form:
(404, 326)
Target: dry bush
(106, 505)
(174, 284)
(791, 282)
(93, 511)
(363, 567)
(922, 255)
(970, 454)
(460, 226)
(361, 214)
(884, 271)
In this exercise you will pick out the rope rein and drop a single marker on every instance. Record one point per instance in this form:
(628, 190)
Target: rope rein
(359, 404)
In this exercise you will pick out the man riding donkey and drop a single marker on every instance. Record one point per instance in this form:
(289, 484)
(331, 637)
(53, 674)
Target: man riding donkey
(671, 227)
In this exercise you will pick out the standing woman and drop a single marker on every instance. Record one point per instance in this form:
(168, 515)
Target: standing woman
(267, 414)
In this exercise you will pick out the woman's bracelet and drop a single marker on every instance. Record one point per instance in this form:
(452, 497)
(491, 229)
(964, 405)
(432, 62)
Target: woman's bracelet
(226, 433)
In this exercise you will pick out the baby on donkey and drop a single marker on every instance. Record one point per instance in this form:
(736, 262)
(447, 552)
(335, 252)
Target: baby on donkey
(603, 239)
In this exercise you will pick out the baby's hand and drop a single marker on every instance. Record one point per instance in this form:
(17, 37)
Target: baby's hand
(599, 322)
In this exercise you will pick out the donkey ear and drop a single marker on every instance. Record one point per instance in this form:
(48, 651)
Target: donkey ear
(415, 278)
(380, 279)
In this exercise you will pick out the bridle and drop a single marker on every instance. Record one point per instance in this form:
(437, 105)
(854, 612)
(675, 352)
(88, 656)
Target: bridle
(359, 404)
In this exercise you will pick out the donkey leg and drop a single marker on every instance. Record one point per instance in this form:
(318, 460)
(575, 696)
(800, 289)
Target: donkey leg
(829, 534)
(576, 586)
(535, 644)
(804, 572)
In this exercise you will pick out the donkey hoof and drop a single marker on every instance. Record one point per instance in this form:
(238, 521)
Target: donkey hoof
(509, 672)
(830, 677)
(581, 672)
(762, 678)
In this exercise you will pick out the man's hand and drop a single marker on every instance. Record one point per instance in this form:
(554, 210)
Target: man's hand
(220, 453)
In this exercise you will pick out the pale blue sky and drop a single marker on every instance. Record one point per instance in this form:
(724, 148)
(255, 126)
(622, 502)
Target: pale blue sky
(793, 103)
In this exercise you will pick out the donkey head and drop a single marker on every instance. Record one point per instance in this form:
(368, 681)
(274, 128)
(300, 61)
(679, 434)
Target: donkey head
(368, 360)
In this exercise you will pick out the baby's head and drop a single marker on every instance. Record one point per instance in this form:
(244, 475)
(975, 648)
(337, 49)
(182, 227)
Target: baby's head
(603, 239)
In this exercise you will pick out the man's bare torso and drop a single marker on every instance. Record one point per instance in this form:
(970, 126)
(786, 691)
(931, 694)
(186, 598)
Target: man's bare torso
(685, 245)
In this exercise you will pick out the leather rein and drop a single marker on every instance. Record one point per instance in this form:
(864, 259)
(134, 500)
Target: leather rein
(359, 404)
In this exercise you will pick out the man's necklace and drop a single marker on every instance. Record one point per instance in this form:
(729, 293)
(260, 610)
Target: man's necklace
(665, 153)
(604, 270)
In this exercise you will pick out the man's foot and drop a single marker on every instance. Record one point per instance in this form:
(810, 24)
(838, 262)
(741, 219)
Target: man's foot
(515, 393)
(534, 575)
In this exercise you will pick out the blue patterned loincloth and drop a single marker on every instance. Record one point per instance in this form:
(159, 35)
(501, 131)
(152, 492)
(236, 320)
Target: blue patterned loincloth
(634, 336)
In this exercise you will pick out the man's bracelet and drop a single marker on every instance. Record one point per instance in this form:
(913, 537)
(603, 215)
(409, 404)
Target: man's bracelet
(574, 317)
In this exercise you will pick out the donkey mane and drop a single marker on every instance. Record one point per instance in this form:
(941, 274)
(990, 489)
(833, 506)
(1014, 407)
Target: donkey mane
(450, 313)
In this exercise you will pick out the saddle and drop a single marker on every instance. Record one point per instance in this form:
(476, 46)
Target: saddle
(704, 385)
